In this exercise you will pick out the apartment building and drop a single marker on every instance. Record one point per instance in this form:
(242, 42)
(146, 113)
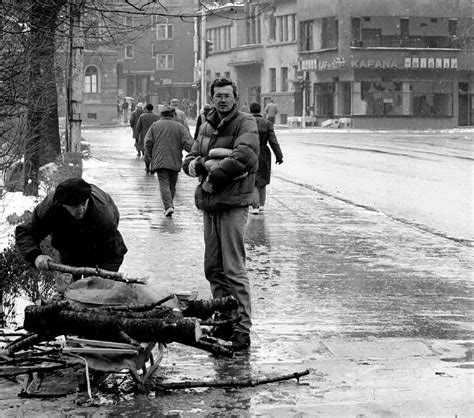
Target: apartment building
(153, 62)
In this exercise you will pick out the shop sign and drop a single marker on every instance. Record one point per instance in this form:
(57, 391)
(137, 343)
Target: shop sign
(319, 65)
(431, 62)
(369, 63)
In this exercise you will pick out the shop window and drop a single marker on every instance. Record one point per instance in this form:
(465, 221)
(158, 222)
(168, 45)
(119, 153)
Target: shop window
(402, 98)
(129, 51)
(91, 80)
(432, 99)
(324, 99)
(343, 98)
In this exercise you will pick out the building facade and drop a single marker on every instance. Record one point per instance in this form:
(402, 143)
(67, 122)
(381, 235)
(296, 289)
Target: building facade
(379, 63)
(153, 63)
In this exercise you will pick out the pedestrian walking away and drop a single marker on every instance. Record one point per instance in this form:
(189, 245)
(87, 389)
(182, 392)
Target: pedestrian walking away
(82, 221)
(133, 123)
(267, 137)
(271, 110)
(180, 115)
(145, 120)
(164, 144)
(224, 158)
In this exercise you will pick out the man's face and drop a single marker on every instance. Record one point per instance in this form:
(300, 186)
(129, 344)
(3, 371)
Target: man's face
(78, 211)
(223, 99)
(174, 103)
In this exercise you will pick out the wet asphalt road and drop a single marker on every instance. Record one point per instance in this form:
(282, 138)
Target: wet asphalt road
(376, 307)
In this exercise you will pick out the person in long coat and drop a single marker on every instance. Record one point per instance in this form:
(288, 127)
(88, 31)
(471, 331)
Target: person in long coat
(267, 137)
(133, 123)
(145, 120)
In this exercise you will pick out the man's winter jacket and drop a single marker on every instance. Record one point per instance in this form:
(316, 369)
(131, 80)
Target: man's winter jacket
(233, 177)
(88, 242)
(164, 144)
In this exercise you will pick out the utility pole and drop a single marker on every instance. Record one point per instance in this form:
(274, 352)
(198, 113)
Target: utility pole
(75, 80)
(203, 58)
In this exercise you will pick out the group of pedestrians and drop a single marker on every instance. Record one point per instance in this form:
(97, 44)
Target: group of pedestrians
(228, 156)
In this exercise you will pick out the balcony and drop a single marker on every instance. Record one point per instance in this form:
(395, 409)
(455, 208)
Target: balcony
(246, 55)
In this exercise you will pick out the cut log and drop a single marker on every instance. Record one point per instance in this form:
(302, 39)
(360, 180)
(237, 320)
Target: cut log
(53, 320)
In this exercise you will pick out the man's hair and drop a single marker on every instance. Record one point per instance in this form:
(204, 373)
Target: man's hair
(149, 106)
(222, 82)
(255, 107)
(168, 111)
(174, 101)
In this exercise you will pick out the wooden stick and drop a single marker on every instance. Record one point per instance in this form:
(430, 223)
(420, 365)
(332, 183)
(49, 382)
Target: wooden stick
(233, 383)
(91, 271)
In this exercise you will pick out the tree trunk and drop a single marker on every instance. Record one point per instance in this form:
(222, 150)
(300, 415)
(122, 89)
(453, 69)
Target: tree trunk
(42, 143)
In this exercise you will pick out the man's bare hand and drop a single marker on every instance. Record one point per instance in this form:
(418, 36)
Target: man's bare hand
(41, 262)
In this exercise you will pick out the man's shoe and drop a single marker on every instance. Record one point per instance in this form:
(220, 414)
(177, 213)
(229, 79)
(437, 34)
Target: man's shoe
(223, 332)
(169, 212)
(254, 211)
(240, 340)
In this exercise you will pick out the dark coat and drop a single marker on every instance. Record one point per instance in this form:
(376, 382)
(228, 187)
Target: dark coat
(134, 121)
(233, 178)
(267, 137)
(145, 120)
(164, 144)
(92, 241)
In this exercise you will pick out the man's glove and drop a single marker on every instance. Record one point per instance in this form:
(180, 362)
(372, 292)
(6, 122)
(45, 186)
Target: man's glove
(207, 186)
(279, 161)
(41, 262)
(192, 168)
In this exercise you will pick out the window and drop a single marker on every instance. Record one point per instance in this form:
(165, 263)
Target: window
(227, 74)
(284, 79)
(273, 81)
(220, 37)
(165, 62)
(329, 33)
(285, 25)
(307, 35)
(402, 98)
(324, 99)
(396, 32)
(253, 29)
(164, 31)
(272, 28)
(129, 51)
(91, 76)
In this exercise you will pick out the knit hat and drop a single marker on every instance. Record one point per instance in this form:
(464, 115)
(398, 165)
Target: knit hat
(255, 107)
(72, 192)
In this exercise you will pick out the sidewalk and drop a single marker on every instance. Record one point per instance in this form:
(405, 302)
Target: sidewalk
(345, 293)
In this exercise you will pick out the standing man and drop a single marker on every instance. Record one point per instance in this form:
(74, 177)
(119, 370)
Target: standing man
(180, 115)
(145, 120)
(225, 158)
(164, 144)
(201, 118)
(133, 123)
(267, 137)
(271, 111)
(82, 221)
(125, 110)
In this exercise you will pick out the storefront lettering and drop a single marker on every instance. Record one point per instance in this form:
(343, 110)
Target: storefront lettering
(316, 64)
(374, 64)
(430, 62)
